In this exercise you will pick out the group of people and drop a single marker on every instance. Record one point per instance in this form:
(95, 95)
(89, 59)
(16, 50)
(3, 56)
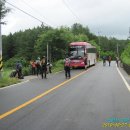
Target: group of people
(41, 66)
(105, 58)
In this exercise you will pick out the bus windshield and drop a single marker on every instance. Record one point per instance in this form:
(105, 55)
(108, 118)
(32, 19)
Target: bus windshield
(77, 51)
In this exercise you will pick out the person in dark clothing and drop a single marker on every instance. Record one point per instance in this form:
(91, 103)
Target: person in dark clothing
(43, 67)
(38, 66)
(67, 68)
(104, 60)
(19, 70)
(117, 61)
(109, 60)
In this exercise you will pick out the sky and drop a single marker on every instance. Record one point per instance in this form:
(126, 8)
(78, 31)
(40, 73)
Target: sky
(109, 18)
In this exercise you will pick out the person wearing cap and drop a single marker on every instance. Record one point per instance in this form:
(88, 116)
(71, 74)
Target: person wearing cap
(43, 67)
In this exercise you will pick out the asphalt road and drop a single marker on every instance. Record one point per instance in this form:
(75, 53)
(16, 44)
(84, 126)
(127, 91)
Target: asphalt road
(85, 102)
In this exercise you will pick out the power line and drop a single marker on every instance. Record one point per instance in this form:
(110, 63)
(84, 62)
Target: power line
(73, 13)
(27, 13)
(34, 9)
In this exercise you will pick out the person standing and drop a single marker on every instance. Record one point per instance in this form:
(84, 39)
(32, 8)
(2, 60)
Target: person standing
(38, 66)
(49, 65)
(117, 61)
(109, 60)
(67, 68)
(33, 64)
(43, 67)
(19, 70)
(104, 60)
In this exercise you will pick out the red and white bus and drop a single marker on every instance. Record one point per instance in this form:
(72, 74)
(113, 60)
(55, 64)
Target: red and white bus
(82, 54)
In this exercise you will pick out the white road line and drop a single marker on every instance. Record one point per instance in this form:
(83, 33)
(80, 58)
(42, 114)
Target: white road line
(24, 82)
(127, 85)
(14, 85)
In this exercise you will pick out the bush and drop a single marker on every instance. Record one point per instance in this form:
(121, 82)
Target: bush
(125, 56)
(26, 71)
(6, 80)
(108, 53)
(58, 66)
(12, 61)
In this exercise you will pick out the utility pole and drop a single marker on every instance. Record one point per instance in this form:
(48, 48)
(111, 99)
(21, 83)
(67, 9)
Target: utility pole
(129, 33)
(1, 64)
(47, 52)
(99, 43)
(117, 50)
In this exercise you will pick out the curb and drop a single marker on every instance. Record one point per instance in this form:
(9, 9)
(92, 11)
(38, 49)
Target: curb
(22, 82)
(14, 85)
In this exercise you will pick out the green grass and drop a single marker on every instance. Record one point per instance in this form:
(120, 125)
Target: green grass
(5, 80)
(126, 60)
(58, 66)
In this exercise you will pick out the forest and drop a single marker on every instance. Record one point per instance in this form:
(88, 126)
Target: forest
(32, 43)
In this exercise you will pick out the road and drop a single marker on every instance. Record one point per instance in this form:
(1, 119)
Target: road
(85, 102)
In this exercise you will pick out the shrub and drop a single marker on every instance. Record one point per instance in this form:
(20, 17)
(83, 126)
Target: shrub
(125, 56)
(12, 61)
(26, 71)
(58, 66)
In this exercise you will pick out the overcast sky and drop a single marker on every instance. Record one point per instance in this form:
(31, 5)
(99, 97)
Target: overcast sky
(108, 17)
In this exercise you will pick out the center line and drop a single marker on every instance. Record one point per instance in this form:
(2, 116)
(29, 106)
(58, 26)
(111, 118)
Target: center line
(38, 97)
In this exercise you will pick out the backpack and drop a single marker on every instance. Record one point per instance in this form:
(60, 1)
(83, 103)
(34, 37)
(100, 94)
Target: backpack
(42, 61)
(19, 66)
(67, 62)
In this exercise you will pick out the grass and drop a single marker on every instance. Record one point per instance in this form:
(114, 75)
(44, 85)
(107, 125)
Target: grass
(58, 66)
(126, 60)
(6, 80)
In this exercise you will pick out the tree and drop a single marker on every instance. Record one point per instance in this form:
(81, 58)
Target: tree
(3, 12)
(125, 56)
(8, 47)
(57, 39)
(3, 9)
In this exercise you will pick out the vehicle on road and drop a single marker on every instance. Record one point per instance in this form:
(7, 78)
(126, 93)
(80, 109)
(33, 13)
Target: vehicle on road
(82, 54)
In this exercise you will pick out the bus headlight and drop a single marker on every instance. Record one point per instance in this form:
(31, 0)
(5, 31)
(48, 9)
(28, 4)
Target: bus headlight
(82, 63)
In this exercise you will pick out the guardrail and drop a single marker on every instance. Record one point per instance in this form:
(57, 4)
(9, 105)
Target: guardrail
(126, 68)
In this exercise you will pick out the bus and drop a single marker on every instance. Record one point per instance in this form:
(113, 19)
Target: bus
(82, 54)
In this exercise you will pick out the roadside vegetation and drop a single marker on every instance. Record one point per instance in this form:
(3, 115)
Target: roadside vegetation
(58, 66)
(6, 80)
(28, 45)
(125, 56)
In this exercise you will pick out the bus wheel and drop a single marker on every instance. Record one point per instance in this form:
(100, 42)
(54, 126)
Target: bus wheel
(85, 67)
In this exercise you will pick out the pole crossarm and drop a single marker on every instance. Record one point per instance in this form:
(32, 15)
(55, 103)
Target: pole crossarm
(2, 22)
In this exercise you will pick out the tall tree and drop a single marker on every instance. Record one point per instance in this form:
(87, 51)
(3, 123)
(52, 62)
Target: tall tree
(3, 9)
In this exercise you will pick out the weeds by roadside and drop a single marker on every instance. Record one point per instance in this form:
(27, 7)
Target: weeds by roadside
(6, 80)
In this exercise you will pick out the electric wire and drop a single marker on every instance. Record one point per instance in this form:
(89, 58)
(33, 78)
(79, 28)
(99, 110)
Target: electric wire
(27, 13)
(73, 13)
(41, 15)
